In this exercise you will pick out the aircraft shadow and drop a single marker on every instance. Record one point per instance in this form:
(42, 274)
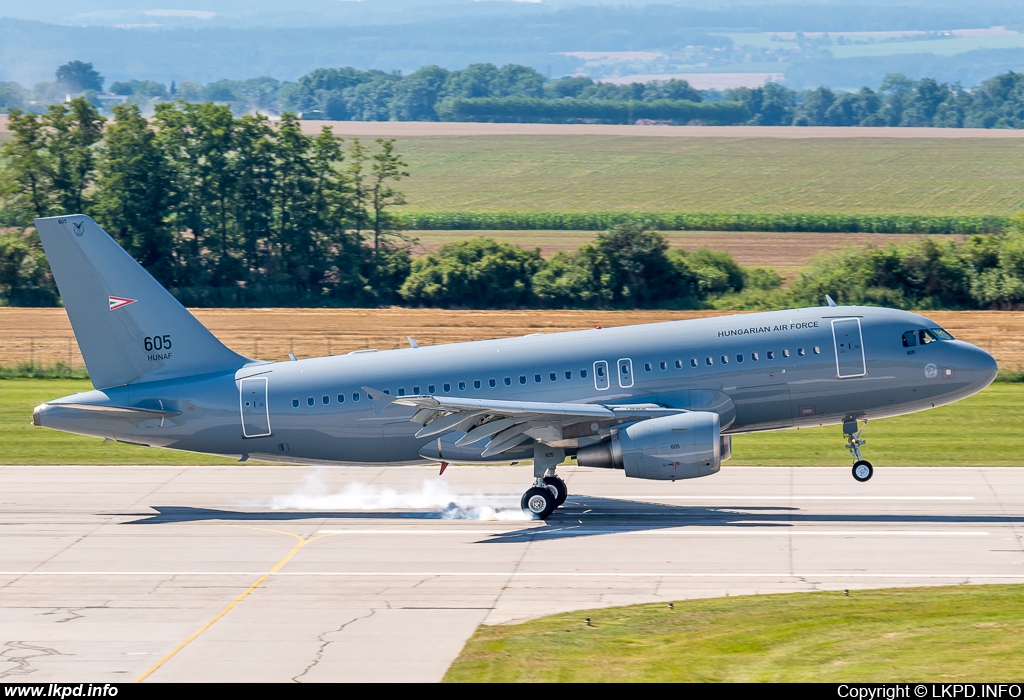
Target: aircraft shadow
(586, 516)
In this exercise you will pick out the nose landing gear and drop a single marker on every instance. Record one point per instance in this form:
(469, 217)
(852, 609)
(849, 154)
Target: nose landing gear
(862, 469)
(548, 491)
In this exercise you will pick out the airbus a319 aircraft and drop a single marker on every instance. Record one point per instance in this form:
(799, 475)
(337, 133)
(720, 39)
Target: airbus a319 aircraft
(658, 401)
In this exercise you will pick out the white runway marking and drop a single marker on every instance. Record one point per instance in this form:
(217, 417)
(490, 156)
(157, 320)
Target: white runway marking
(692, 533)
(786, 498)
(520, 574)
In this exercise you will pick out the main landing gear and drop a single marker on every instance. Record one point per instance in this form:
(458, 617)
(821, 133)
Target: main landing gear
(548, 491)
(862, 469)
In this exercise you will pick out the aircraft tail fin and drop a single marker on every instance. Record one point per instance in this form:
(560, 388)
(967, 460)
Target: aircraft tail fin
(127, 325)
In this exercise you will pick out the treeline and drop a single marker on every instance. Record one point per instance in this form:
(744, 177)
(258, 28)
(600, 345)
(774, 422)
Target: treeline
(224, 211)
(698, 221)
(514, 93)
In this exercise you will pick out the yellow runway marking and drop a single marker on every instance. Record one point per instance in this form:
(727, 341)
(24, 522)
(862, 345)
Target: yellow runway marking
(302, 542)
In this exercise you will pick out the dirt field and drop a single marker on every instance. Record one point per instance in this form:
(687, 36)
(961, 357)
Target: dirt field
(400, 129)
(786, 253)
(44, 335)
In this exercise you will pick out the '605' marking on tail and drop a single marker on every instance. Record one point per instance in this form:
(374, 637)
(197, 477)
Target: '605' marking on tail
(119, 302)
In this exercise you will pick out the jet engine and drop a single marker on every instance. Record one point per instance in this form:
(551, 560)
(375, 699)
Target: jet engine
(683, 446)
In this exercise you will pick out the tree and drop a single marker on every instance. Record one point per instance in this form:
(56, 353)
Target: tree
(73, 131)
(76, 77)
(386, 167)
(25, 181)
(133, 192)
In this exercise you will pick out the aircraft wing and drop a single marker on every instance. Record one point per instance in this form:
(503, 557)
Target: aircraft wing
(506, 424)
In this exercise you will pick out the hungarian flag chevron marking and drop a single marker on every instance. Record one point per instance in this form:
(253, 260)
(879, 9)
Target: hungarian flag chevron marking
(118, 302)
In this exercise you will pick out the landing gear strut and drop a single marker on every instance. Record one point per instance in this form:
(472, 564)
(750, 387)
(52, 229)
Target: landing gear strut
(548, 491)
(862, 469)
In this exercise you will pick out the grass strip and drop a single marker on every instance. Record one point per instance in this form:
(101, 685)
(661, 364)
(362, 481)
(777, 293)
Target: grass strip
(946, 634)
(983, 430)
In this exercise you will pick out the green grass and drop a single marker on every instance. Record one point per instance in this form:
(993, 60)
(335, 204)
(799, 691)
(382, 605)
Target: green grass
(937, 634)
(980, 431)
(23, 443)
(740, 175)
(983, 430)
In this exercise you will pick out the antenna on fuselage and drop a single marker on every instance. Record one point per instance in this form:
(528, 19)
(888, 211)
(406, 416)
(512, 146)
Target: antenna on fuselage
(830, 300)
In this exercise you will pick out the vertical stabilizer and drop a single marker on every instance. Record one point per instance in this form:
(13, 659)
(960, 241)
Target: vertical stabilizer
(127, 325)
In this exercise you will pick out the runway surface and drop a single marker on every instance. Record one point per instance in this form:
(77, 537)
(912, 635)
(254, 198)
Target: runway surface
(114, 574)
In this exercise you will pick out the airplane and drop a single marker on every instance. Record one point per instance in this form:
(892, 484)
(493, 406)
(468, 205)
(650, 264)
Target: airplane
(658, 401)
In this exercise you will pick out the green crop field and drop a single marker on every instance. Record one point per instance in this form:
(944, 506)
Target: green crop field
(980, 431)
(941, 176)
(947, 634)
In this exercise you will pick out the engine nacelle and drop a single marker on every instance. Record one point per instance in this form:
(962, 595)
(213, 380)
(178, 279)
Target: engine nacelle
(683, 446)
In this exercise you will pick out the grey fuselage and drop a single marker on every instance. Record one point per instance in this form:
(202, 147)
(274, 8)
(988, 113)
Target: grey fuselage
(784, 369)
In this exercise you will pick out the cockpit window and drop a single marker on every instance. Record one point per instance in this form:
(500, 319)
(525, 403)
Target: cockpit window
(909, 339)
(942, 335)
(927, 337)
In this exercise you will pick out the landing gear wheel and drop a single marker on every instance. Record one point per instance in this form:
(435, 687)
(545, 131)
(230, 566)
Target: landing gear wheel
(561, 491)
(539, 502)
(863, 471)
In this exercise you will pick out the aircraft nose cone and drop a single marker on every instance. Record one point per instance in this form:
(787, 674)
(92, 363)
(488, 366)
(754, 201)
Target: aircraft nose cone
(983, 368)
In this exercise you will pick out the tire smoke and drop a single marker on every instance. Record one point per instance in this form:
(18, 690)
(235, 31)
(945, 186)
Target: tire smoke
(433, 499)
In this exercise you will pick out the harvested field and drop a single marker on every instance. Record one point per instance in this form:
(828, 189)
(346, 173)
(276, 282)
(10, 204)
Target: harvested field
(44, 335)
(786, 253)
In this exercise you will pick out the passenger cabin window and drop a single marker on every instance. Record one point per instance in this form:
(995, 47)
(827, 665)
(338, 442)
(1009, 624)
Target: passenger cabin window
(663, 365)
(388, 392)
(355, 395)
(326, 399)
(755, 356)
(693, 362)
(770, 354)
(447, 387)
(401, 391)
(568, 374)
(927, 336)
(431, 389)
(600, 371)
(341, 398)
(508, 381)
(739, 357)
(552, 376)
(476, 383)
(416, 391)
(785, 352)
(647, 366)
(492, 382)
(708, 361)
(817, 349)
(909, 339)
(522, 379)
(310, 401)
(583, 373)
(295, 403)
(679, 364)
(800, 352)
(462, 386)
(536, 378)
(725, 359)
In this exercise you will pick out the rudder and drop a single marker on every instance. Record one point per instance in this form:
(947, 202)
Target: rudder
(127, 325)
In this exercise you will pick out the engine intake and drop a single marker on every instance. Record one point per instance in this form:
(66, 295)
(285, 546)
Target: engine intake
(683, 446)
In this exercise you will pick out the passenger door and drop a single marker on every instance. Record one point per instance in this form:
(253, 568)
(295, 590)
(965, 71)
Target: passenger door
(254, 407)
(849, 345)
(625, 373)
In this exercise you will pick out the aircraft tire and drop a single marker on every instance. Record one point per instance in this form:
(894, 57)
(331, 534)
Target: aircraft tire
(863, 471)
(559, 487)
(538, 502)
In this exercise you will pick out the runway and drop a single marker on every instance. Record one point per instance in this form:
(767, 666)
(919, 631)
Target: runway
(265, 573)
